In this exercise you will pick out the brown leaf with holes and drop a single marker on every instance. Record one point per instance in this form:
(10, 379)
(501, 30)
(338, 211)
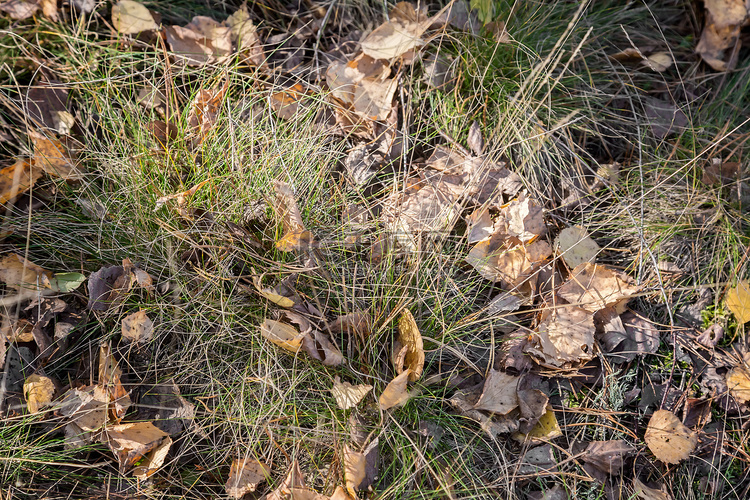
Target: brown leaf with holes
(668, 439)
(594, 287)
(137, 328)
(244, 476)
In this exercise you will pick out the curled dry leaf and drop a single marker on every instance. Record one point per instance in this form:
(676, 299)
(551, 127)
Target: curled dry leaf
(244, 476)
(129, 18)
(738, 301)
(137, 327)
(724, 21)
(576, 247)
(499, 393)
(348, 395)
(410, 339)
(294, 480)
(566, 335)
(245, 35)
(355, 465)
(394, 38)
(479, 225)
(319, 347)
(283, 335)
(16, 179)
(607, 456)
(594, 287)
(498, 259)
(38, 391)
(280, 294)
(395, 392)
(141, 443)
(86, 407)
(668, 439)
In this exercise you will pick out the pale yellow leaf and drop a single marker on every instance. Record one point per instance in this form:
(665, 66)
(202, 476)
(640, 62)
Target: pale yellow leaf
(244, 476)
(567, 335)
(576, 246)
(395, 392)
(659, 61)
(594, 287)
(668, 438)
(738, 301)
(348, 395)
(410, 338)
(137, 327)
(546, 429)
(129, 17)
(283, 335)
(738, 382)
(354, 469)
(38, 391)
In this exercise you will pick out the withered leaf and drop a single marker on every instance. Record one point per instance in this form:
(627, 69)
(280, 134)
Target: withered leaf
(643, 492)
(546, 429)
(668, 438)
(204, 111)
(16, 179)
(355, 465)
(109, 380)
(395, 392)
(19, 9)
(724, 20)
(393, 39)
(245, 35)
(567, 335)
(410, 338)
(108, 287)
(576, 246)
(86, 407)
(607, 456)
(281, 294)
(283, 335)
(38, 391)
(319, 347)
(738, 301)
(137, 327)
(21, 274)
(348, 395)
(358, 322)
(525, 219)
(244, 476)
(594, 287)
(738, 382)
(499, 393)
(129, 17)
(53, 157)
(201, 42)
(138, 442)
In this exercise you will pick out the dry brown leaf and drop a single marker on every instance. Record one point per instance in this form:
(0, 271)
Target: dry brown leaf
(203, 41)
(129, 18)
(546, 429)
(576, 246)
(525, 219)
(479, 225)
(21, 274)
(343, 77)
(16, 179)
(607, 456)
(86, 407)
(141, 443)
(738, 301)
(499, 393)
(643, 492)
(497, 259)
(738, 382)
(204, 111)
(355, 465)
(631, 54)
(567, 335)
(245, 35)
(410, 338)
(280, 294)
(668, 438)
(109, 379)
(108, 287)
(137, 327)
(319, 347)
(358, 322)
(594, 287)
(283, 335)
(659, 61)
(395, 392)
(49, 8)
(294, 480)
(427, 210)
(53, 157)
(724, 20)
(721, 172)
(393, 39)
(244, 476)
(19, 9)
(38, 391)
(348, 395)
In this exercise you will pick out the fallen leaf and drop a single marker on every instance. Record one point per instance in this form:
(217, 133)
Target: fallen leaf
(139, 443)
(129, 18)
(721, 172)
(38, 391)
(319, 347)
(281, 294)
(525, 219)
(566, 335)
(86, 6)
(21, 274)
(410, 338)
(393, 39)
(643, 492)
(203, 41)
(724, 21)
(475, 141)
(283, 335)
(576, 246)
(358, 322)
(607, 456)
(16, 179)
(294, 480)
(668, 439)
(738, 301)
(348, 395)
(109, 380)
(53, 157)
(395, 392)
(659, 61)
(137, 327)
(244, 476)
(664, 118)
(546, 429)
(20, 10)
(86, 407)
(738, 382)
(66, 282)
(204, 111)
(499, 393)
(245, 35)
(594, 287)
(354, 469)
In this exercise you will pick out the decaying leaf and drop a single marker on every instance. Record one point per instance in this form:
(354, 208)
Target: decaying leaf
(395, 392)
(358, 322)
(86, 407)
(294, 480)
(594, 287)
(576, 246)
(281, 294)
(659, 61)
(643, 492)
(546, 429)
(204, 111)
(108, 287)
(245, 475)
(410, 339)
(137, 327)
(16, 179)
(738, 301)
(53, 157)
(525, 219)
(720, 34)
(21, 274)
(139, 443)
(498, 259)
(567, 335)
(38, 391)
(283, 335)
(393, 39)
(319, 347)
(245, 35)
(721, 172)
(607, 456)
(668, 439)
(129, 17)
(499, 393)
(296, 236)
(348, 395)
(738, 381)
(19, 9)
(109, 380)
(203, 41)
(355, 465)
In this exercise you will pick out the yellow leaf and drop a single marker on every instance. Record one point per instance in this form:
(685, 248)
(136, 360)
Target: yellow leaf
(669, 439)
(244, 476)
(17, 179)
(545, 429)
(130, 17)
(283, 335)
(348, 395)
(410, 338)
(738, 301)
(395, 392)
(38, 391)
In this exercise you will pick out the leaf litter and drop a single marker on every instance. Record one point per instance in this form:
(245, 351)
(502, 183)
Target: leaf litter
(510, 241)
